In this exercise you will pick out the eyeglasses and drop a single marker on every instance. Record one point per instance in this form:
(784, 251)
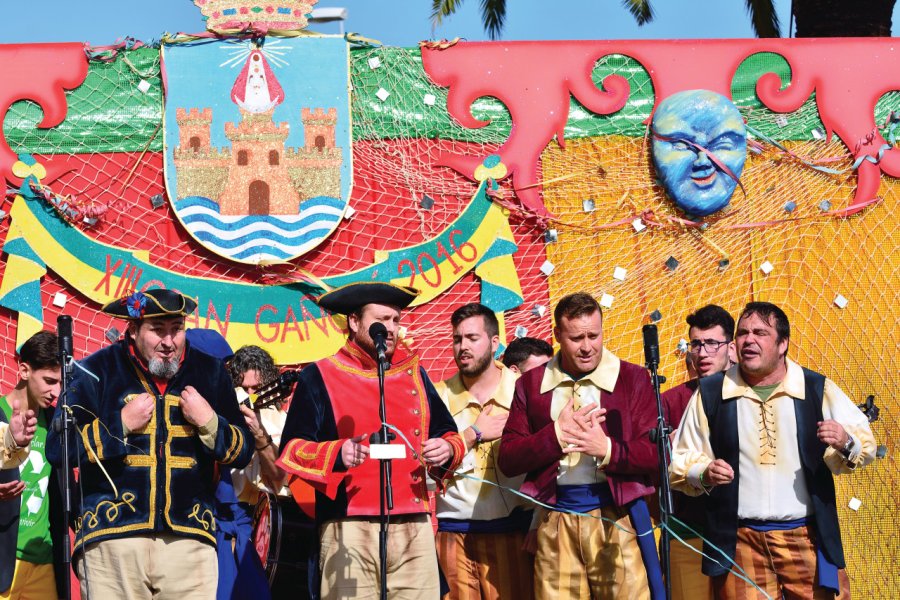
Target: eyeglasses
(711, 346)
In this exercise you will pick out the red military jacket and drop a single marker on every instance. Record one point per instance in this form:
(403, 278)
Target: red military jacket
(337, 399)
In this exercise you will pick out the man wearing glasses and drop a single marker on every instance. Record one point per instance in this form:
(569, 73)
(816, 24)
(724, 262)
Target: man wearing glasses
(711, 334)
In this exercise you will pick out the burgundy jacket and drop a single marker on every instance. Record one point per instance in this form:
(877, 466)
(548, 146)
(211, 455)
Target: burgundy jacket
(529, 444)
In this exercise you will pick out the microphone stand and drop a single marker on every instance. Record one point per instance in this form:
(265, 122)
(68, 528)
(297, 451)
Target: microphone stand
(386, 499)
(65, 424)
(660, 435)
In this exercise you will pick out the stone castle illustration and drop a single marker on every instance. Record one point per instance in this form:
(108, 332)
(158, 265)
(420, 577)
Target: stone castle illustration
(258, 175)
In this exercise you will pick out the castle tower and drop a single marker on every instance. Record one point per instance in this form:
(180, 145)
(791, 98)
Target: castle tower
(318, 127)
(258, 180)
(193, 129)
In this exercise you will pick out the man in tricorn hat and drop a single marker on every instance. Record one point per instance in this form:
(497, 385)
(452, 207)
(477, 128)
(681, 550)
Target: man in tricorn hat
(154, 415)
(326, 442)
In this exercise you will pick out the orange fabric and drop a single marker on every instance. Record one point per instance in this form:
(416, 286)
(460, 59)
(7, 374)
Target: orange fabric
(486, 566)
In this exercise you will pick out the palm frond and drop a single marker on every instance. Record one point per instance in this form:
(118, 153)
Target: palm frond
(640, 10)
(441, 9)
(764, 18)
(493, 15)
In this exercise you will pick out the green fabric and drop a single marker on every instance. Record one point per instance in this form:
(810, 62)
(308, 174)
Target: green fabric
(108, 113)
(34, 544)
(764, 391)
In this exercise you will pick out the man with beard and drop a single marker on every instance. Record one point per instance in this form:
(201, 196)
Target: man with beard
(711, 350)
(326, 442)
(153, 415)
(481, 525)
(579, 427)
(30, 501)
(763, 440)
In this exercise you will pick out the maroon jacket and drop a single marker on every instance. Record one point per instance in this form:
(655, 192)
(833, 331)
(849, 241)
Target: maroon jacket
(529, 444)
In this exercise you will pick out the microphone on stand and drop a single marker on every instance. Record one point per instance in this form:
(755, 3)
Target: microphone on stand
(64, 334)
(378, 333)
(651, 345)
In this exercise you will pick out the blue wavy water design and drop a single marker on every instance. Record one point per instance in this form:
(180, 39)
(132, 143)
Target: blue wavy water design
(259, 237)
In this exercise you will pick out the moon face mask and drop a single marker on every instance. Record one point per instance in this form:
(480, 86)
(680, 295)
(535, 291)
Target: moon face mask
(699, 149)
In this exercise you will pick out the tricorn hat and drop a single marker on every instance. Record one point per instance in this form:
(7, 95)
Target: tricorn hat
(151, 303)
(348, 298)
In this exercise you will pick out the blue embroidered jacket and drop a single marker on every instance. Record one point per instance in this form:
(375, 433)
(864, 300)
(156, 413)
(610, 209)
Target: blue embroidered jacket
(164, 475)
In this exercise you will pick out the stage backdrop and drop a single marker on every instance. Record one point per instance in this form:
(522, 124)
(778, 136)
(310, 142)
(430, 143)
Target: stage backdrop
(507, 173)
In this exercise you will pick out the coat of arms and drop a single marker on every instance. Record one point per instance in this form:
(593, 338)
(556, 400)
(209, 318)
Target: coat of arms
(258, 161)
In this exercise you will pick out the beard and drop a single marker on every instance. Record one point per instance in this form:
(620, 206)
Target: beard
(164, 369)
(479, 365)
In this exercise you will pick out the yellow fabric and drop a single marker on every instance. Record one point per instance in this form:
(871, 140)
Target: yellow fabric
(349, 563)
(688, 581)
(145, 567)
(580, 557)
(815, 258)
(31, 582)
(466, 498)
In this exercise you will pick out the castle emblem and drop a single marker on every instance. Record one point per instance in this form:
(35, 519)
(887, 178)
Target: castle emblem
(260, 169)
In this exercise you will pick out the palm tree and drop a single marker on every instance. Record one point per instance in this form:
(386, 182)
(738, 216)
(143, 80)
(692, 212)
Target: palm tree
(815, 18)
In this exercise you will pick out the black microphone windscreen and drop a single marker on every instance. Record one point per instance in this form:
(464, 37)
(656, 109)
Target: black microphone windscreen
(651, 344)
(377, 330)
(64, 333)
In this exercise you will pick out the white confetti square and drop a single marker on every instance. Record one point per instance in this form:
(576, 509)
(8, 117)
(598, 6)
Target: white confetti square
(382, 94)
(539, 310)
(547, 268)
(781, 120)
(59, 299)
(817, 133)
(638, 225)
(854, 503)
(606, 301)
(766, 267)
(521, 331)
(620, 273)
(144, 86)
(348, 214)
(374, 62)
(429, 99)
(840, 301)
(589, 205)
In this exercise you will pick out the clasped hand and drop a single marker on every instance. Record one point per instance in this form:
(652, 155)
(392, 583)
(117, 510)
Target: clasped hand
(581, 430)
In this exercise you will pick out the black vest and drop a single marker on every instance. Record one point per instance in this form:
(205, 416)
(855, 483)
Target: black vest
(722, 504)
(9, 526)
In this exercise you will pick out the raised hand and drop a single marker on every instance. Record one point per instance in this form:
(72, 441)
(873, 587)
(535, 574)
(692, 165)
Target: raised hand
(23, 424)
(436, 451)
(718, 472)
(195, 408)
(138, 412)
(491, 426)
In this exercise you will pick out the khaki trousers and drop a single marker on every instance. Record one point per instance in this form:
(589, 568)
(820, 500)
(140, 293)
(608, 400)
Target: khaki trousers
(148, 567)
(581, 557)
(351, 568)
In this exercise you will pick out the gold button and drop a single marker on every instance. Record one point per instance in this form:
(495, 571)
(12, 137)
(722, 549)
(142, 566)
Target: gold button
(409, 371)
(415, 392)
(417, 500)
(416, 432)
(415, 411)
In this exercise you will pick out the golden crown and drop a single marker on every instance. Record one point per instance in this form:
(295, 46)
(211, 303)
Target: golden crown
(229, 15)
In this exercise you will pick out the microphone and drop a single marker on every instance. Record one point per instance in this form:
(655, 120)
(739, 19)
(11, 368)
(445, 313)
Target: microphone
(378, 333)
(64, 333)
(651, 346)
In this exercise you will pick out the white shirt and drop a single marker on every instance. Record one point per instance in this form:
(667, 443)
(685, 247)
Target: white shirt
(772, 485)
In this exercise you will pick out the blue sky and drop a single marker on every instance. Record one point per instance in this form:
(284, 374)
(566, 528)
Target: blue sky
(397, 22)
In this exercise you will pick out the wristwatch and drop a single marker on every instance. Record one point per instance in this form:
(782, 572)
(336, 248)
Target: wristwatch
(848, 447)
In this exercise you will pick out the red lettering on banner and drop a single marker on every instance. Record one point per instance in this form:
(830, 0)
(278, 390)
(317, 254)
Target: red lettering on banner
(110, 270)
(319, 322)
(275, 326)
(211, 312)
(290, 324)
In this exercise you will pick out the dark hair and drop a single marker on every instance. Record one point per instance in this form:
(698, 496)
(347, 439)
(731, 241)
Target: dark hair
(41, 351)
(252, 358)
(768, 311)
(474, 309)
(521, 348)
(711, 315)
(576, 305)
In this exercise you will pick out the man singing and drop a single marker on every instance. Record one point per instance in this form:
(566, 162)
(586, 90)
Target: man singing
(326, 442)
